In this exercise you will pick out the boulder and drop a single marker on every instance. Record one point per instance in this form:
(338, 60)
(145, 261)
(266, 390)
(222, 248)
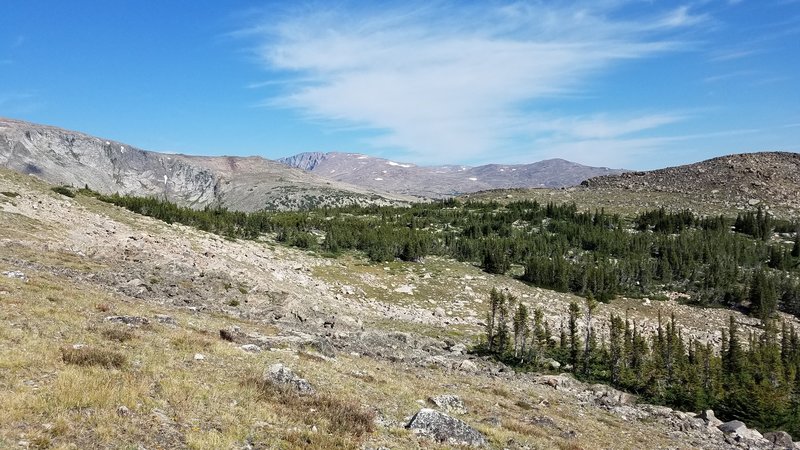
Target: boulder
(458, 349)
(553, 364)
(732, 427)
(468, 366)
(284, 378)
(450, 403)
(710, 418)
(445, 429)
(608, 396)
(780, 440)
(133, 321)
(738, 428)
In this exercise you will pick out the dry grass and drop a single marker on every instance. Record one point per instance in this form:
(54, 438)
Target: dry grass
(175, 401)
(524, 428)
(89, 356)
(118, 334)
(342, 415)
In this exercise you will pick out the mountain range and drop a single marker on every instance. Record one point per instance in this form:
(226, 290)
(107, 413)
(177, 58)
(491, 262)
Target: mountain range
(245, 183)
(68, 157)
(313, 179)
(441, 181)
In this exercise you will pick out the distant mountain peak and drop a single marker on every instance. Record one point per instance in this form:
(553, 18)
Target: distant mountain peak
(441, 181)
(304, 161)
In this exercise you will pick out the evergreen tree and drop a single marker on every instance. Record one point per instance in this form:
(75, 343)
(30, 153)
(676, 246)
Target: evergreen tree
(521, 329)
(574, 339)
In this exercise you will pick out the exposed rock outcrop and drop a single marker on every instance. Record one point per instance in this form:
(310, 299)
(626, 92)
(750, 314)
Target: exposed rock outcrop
(445, 429)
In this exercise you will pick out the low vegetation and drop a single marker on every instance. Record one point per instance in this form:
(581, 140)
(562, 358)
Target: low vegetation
(89, 356)
(715, 260)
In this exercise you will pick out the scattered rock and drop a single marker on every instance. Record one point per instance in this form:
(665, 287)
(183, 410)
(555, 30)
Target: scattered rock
(133, 321)
(439, 312)
(468, 366)
(732, 427)
(16, 275)
(445, 429)
(710, 418)
(123, 411)
(458, 349)
(405, 289)
(324, 347)
(608, 396)
(740, 430)
(283, 377)
(166, 320)
(199, 357)
(780, 439)
(251, 348)
(449, 403)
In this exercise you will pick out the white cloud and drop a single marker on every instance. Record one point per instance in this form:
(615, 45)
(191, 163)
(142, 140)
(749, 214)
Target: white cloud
(448, 82)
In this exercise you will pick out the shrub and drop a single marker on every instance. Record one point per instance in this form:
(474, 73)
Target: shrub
(343, 415)
(88, 356)
(63, 190)
(118, 334)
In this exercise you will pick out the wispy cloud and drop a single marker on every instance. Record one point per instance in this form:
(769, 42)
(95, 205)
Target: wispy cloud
(446, 82)
(14, 103)
(730, 55)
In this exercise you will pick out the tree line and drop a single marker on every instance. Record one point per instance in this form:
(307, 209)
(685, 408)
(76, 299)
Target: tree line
(753, 377)
(715, 260)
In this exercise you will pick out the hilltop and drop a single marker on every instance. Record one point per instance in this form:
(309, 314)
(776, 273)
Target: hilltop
(742, 180)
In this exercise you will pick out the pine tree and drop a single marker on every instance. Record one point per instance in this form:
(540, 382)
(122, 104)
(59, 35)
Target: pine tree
(591, 305)
(574, 339)
(521, 329)
(763, 296)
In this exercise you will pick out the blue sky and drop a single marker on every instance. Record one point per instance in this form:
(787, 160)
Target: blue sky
(634, 84)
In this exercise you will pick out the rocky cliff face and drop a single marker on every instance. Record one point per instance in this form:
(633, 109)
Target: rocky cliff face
(67, 157)
(245, 183)
(304, 161)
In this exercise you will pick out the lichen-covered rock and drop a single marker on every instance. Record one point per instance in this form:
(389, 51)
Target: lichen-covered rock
(450, 403)
(129, 320)
(445, 429)
(780, 439)
(283, 377)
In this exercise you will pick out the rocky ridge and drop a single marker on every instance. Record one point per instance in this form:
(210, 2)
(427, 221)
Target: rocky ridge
(243, 183)
(740, 181)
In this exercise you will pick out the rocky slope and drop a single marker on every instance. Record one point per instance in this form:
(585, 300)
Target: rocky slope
(117, 330)
(68, 157)
(441, 181)
(740, 181)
